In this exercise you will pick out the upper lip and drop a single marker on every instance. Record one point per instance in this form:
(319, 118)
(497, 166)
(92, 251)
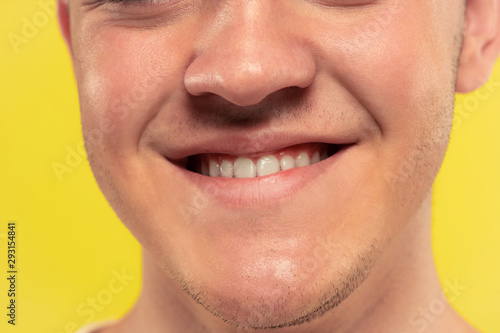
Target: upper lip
(250, 144)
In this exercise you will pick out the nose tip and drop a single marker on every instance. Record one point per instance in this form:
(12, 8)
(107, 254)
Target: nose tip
(243, 81)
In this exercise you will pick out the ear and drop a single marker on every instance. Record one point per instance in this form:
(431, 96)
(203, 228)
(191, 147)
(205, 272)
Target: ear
(481, 44)
(64, 22)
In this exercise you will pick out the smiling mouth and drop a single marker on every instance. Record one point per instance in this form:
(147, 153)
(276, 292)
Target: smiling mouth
(259, 165)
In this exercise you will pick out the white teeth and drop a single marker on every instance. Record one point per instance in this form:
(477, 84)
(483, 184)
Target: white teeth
(287, 162)
(315, 158)
(267, 165)
(226, 169)
(244, 168)
(302, 160)
(214, 169)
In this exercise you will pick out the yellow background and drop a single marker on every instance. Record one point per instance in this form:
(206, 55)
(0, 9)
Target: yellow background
(71, 245)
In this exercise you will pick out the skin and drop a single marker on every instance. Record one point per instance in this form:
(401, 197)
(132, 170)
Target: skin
(337, 255)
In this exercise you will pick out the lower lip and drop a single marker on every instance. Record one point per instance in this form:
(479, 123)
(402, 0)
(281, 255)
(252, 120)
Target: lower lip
(239, 192)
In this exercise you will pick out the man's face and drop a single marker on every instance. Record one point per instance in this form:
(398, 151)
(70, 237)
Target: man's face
(176, 88)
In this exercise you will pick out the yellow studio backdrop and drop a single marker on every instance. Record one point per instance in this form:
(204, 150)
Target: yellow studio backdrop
(75, 262)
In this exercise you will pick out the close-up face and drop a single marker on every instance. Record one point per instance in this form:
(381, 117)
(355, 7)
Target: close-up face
(266, 153)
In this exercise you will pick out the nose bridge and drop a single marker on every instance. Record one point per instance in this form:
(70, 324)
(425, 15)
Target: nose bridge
(251, 56)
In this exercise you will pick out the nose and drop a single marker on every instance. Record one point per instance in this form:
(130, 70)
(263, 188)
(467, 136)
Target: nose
(252, 56)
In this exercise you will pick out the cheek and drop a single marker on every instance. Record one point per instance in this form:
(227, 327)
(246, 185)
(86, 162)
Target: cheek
(398, 62)
(125, 76)
(395, 60)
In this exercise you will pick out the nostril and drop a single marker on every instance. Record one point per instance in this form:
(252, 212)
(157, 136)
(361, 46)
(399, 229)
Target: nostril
(197, 84)
(236, 89)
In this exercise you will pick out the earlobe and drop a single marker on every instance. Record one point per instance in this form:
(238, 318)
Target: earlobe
(63, 19)
(481, 44)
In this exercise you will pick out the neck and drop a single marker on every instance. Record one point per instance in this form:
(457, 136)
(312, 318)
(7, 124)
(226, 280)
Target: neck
(402, 294)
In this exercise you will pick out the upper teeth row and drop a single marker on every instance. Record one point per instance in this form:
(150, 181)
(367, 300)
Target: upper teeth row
(244, 167)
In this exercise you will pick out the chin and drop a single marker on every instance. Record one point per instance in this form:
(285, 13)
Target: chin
(277, 291)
